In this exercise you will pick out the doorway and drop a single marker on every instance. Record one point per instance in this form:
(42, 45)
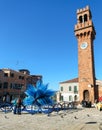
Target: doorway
(86, 95)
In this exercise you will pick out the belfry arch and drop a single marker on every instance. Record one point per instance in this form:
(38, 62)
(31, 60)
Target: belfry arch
(85, 18)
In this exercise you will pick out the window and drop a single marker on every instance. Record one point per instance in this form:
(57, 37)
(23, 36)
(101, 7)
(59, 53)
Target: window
(17, 86)
(70, 98)
(11, 86)
(5, 85)
(80, 19)
(85, 17)
(0, 85)
(5, 74)
(61, 88)
(75, 98)
(12, 75)
(70, 88)
(75, 89)
(61, 98)
(20, 77)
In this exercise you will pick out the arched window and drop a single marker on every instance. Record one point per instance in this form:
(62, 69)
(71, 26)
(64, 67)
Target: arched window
(84, 33)
(80, 19)
(85, 18)
(89, 32)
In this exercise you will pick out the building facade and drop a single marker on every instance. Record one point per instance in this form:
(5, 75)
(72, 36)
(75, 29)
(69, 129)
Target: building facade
(69, 90)
(15, 82)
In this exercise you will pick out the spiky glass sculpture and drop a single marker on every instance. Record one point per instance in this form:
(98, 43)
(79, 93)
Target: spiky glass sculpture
(38, 95)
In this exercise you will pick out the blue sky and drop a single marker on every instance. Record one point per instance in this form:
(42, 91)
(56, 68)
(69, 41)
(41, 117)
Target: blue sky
(38, 35)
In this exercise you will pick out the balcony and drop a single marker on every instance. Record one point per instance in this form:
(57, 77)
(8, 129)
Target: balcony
(75, 92)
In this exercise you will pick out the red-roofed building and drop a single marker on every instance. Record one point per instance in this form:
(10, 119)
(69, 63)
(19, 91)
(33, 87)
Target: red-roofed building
(69, 90)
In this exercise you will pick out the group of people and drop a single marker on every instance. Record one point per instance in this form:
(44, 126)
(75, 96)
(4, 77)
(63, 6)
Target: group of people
(86, 103)
(17, 103)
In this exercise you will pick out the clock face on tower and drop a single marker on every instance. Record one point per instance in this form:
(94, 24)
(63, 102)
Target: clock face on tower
(84, 45)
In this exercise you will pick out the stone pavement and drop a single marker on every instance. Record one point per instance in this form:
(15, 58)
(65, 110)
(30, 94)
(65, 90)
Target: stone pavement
(86, 119)
(72, 119)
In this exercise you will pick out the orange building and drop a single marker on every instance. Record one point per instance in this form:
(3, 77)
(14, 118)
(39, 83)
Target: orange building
(15, 82)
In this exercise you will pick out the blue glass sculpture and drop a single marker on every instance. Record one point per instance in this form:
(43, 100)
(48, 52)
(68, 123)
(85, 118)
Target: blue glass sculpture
(38, 95)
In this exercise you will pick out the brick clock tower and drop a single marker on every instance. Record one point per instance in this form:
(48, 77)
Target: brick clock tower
(85, 34)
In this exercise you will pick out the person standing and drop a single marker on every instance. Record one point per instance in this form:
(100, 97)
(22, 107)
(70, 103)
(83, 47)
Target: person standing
(19, 103)
(17, 106)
